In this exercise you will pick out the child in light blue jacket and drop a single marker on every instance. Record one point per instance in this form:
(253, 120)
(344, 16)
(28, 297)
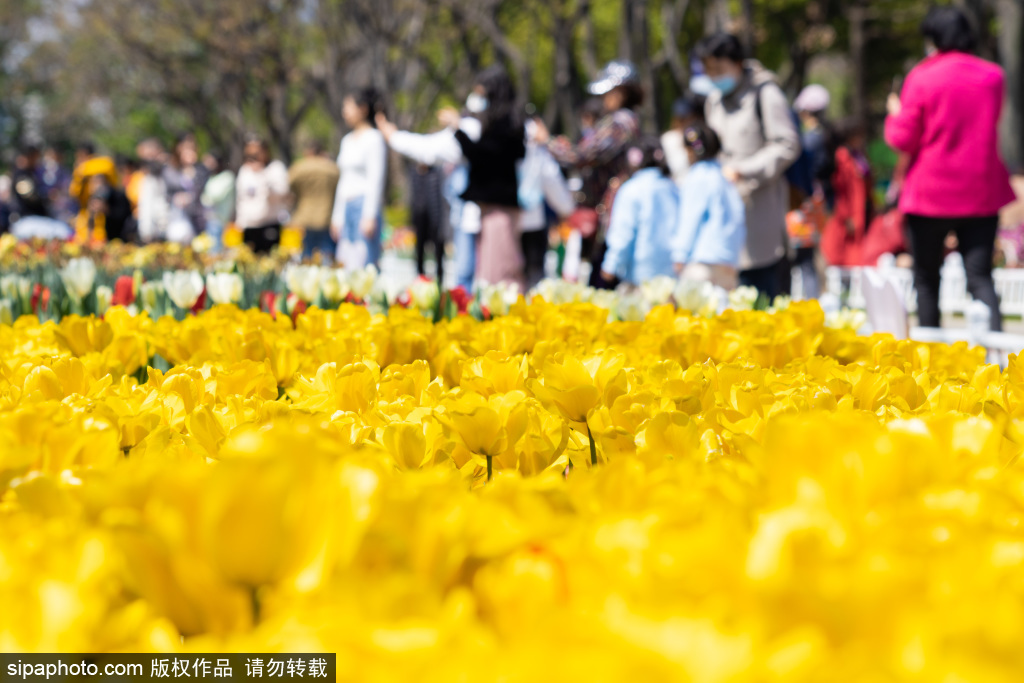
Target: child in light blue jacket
(712, 228)
(643, 220)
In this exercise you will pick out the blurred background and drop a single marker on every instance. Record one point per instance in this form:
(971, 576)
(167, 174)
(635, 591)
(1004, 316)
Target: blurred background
(118, 71)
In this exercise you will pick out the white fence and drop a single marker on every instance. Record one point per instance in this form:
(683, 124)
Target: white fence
(846, 283)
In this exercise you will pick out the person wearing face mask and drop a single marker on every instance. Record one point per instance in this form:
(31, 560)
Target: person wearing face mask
(749, 112)
(492, 181)
(947, 122)
(601, 157)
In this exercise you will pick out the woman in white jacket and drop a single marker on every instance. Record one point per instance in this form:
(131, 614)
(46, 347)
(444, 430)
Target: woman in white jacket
(358, 204)
(442, 148)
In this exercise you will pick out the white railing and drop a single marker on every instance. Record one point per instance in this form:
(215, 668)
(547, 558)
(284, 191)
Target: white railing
(847, 284)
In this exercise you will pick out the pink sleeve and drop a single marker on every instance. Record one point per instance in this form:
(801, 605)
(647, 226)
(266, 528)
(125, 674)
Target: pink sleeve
(903, 131)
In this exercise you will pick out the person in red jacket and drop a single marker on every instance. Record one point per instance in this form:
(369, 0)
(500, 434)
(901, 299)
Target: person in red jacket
(844, 233)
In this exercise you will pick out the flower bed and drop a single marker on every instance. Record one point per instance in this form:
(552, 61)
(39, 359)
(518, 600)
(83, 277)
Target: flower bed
(53, 279)
(547, 495)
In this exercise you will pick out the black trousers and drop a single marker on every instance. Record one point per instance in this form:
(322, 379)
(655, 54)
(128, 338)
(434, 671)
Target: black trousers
(428, 231)
(535, 248)
(261, 240)
(977, 240)
(770, 280)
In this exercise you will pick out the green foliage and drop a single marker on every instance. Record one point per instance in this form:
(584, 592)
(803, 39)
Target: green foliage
(120, 70)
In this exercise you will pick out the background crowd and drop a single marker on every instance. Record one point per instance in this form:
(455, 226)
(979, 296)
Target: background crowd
(745, 188)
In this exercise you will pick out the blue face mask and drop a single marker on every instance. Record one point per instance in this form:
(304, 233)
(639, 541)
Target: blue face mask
(726, 84)
(476, 103)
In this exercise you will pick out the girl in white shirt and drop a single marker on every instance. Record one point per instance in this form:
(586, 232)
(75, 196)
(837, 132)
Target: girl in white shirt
(261, 193)
(358, 203)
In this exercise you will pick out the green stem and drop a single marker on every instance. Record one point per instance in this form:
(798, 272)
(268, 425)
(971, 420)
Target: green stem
(593, 447)
(489, 468)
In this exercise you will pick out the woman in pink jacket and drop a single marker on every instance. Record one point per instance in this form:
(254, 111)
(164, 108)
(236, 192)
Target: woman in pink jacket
(947, 122)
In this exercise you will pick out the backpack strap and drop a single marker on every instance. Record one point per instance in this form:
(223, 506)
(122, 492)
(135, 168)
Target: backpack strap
(758, 89)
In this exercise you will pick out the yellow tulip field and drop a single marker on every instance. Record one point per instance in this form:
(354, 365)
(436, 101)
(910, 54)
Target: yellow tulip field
(547, 495)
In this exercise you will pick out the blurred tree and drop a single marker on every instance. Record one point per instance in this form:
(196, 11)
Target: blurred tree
(1011, 43)
(121, 70)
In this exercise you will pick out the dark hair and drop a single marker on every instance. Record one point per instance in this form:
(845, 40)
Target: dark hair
(846, 129)
(314, 147)
(632, 95)
(501, 97)
(368, 99)
(257, 140)
(87, 147)
(217, 156)
(720, 46)
(703, 141)
(179, 140)
(949, 29)
(593, 106)
(653, 154)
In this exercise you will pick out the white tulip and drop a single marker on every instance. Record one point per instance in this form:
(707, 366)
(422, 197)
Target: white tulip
(9, 286)
(743, 298)
(780, 303)
(695, 296)
(24, 288)
(225, 266)
(846, 319)
(361, 281)
(224, 288)
(604, 298)
(424, 294)
(149, 295)
(562, 292)
(658, 291)
(183, 287)
(303, 282)
(79, 275)
(333, 285)
(104, 297)
(632, 307)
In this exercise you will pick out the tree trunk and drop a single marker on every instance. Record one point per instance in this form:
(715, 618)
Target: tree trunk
(641, 50)
(798, 77)
(856, 13)
(626, 31)
(748, 27)
(672, 16)
(560, 108)
(980, 12)
(1011, 39)
(589, 52)
(716, 16)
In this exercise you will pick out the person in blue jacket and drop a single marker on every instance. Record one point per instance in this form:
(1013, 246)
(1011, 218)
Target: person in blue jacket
(712, 228)
(643, 219)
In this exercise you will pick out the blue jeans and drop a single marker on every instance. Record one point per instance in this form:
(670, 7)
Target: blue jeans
(215, 229)
(319, 240)
(352, 233)
(465, 258)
